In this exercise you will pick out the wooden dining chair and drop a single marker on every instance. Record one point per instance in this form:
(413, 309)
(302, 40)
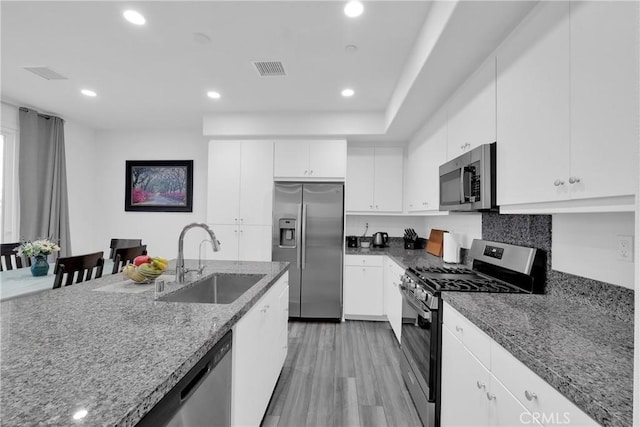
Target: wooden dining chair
(9, 258)
(125, 255)
(83, 265)
(122, 243)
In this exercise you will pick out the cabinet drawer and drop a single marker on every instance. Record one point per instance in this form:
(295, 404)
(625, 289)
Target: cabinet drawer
(540, 398)
(368, 260)
(471, 336)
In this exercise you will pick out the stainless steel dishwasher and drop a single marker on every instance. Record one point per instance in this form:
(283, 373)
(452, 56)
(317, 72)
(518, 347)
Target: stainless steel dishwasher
(202, 397)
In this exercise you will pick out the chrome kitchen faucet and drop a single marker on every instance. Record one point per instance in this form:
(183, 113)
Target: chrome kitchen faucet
(180, 268)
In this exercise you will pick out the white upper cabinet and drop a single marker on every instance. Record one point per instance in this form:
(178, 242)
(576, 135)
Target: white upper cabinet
(533, 108)
(223, 192)
(310, 160)
(240, 182)
(374, 179)
(604, 98)
(568, 109)
(424, 157)
(472, 112)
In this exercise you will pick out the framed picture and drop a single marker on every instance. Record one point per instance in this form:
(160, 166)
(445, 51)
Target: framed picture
(159, 186)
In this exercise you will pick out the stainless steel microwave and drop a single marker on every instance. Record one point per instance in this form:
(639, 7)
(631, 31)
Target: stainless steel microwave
(468, 182)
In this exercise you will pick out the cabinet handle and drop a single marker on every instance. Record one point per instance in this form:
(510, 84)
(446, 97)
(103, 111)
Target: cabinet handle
(376, 206)
(235, 219)
(491, 396)
(573, 180)
(458, 328)
(235, 231)
(370, 206)
(311, 172)
(530, 395)
(265, 308)
(558, 183)
(462, 147)
(480, 385)
(305, 172)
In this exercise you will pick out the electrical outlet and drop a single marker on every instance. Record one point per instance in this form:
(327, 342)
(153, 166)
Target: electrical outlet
(624, 248)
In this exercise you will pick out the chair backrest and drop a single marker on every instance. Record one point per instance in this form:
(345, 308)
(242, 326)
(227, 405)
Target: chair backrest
(124, 255)
(82, 264)
(9, 258)
(122, 243)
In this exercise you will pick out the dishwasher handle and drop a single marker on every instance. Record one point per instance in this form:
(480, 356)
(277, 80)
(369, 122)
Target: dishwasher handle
(195, 382)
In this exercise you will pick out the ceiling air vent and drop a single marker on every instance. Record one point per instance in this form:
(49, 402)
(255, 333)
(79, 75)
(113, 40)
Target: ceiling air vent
(45, 73)
(269, 68)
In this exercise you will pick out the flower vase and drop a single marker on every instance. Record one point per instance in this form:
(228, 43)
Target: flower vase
(40, 266)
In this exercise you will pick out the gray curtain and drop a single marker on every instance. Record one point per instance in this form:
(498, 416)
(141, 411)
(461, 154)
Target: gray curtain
(44, 206)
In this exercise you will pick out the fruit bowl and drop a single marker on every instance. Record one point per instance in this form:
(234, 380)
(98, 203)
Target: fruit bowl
(145, 272)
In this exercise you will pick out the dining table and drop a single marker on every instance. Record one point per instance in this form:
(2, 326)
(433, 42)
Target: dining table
(19, 282)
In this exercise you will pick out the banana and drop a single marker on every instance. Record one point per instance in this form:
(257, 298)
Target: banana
(147, 270)
(159, 263)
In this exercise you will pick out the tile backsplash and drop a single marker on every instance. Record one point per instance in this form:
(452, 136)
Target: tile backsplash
(536, 231)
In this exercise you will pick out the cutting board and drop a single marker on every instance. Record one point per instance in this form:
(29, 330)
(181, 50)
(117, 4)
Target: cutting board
(434, 245)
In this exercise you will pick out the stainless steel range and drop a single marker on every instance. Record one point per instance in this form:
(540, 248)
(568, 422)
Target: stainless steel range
(497, 267)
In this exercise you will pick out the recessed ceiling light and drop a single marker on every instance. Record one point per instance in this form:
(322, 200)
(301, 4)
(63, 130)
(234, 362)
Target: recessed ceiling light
(347, 92)
(134, 17)
(213, 94)
(80, 414)
(88, 92)
(353, 9)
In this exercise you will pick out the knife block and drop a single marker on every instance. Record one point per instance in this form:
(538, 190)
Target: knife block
(419, 243)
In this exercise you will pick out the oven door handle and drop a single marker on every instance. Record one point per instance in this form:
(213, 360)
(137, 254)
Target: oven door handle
(425, 314)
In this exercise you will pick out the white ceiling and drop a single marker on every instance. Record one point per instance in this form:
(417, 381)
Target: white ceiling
(410, 56)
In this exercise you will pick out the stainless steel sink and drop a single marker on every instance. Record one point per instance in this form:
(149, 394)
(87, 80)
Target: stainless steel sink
(217, 289)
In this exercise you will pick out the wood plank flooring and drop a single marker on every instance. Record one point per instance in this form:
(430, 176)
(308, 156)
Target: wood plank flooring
(341, 374)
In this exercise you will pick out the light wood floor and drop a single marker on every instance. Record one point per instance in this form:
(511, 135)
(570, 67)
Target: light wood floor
(341, 374)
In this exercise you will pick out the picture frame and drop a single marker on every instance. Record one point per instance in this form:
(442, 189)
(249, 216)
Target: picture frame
(159, 186)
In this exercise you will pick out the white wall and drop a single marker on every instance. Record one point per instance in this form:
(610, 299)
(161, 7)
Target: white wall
(84, 188)
(158, 230)
(585, 245)
(392, 225)
(467, 226)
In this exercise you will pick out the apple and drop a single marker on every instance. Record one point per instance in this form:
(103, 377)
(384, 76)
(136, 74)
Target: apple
(141, 259)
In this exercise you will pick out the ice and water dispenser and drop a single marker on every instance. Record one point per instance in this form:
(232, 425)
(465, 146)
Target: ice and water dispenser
(287, 232)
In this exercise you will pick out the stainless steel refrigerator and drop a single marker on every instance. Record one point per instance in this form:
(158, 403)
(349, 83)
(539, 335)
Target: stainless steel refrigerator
(308, 223)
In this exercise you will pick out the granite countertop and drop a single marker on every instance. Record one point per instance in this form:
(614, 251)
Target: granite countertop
(113, 354)
(586, 355)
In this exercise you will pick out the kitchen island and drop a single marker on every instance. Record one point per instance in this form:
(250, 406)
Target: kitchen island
(98, 348)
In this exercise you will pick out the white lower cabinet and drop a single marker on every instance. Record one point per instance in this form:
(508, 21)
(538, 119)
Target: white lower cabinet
(363, 293)
(464, 385)
(493, 387)
(258, 354)
(392, 296)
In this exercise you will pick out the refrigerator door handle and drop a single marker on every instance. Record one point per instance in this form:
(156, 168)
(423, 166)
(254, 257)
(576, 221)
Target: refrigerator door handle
(304, 235)
(299, 239)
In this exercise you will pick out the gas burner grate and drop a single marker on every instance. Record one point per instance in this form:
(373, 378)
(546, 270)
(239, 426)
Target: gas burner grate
(473, 285)
(445, 270)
